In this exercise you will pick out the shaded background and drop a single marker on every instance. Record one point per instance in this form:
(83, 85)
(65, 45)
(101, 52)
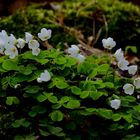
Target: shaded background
(8, 7)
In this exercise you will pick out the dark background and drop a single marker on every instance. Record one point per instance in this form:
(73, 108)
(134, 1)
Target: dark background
(8, 7)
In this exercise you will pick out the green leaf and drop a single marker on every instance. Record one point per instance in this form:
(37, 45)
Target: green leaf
(21, 122)
(95, 95)
(91, 109)
(41, 58)
(64, 99)
(61, 84)
(128, 117)
(130, 98)
(32, 113)
(116, 117)
(26, 123)
(70, 61)
(71, 126)
(42, 98)
(75, 90)
(102, 69)
(32, 89)
(109, 85)
(44, 133)
(84, 94)
(12, 100)
(19, 138)
(56, 131)
(105, 113)
(53, 99)
(137, 108)
(56, 115)
(73, 104)
(93, 73)
(39, 109)
(86, 68)
(56, 106)
(60, 60)
(16, 124)
(9, 65)
(26, 70)
(30, 137)
(88, 111)
(132, 48)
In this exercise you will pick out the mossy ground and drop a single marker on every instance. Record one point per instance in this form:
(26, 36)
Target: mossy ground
(88, 21)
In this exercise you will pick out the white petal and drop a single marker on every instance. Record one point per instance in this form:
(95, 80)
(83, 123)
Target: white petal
(108, 43)
(73, 50)
(39, 80)
(137, 83)
(12, 40)
(119, 55)
(36, 51)
(33, 44)
(45, 34)
(28, 37)
(11, 51)
(132, 69)
(128, 89)
(123, 64)
(115, 103)
(45, 76)
(20, 43)
(80, 57)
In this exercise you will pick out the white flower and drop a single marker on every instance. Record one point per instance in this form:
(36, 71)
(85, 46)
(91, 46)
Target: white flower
(45, 34)
(137, 83)
(123, 64)
(138, 96)
(73, 50)
(44, 77)
(119, 55)
(1, 46)
(128, 89)
(35, 51)
(20, 43)
(33, 44)
(115, 103)
(11, 51)
(80, 57)
(12, 40)
(132, 69)
(28, 37)
(3, 41)
(109, 43)
(39, 80)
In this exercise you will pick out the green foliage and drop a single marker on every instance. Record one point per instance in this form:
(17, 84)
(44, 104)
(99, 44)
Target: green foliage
(77, 93)
(75, 103)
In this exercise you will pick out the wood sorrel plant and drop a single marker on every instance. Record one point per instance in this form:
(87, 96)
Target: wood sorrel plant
(49, 94)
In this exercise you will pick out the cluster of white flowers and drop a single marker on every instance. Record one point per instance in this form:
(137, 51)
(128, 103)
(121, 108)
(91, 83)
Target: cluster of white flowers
(74, 52)
(124, 64)
(9, 45)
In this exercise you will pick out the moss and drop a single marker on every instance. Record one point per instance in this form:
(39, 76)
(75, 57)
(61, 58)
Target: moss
(123, 22)
(32, 20)
(114, 18)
